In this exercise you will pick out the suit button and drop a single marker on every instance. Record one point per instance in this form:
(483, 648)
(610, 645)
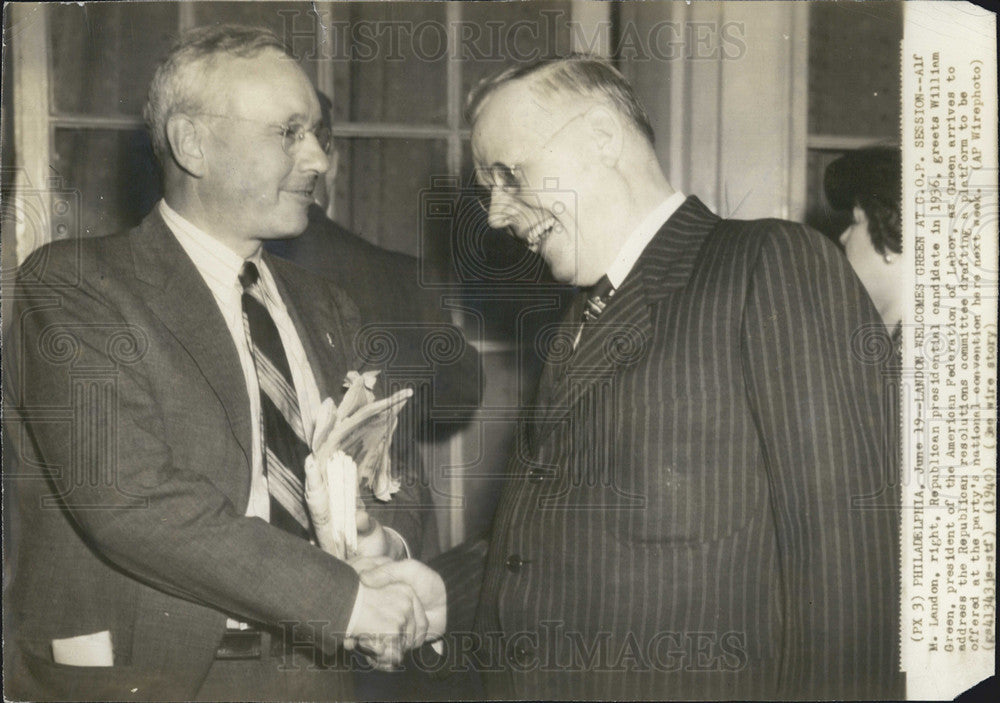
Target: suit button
(536, 476)
(514, 563)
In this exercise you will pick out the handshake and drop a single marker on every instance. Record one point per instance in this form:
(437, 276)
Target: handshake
(400, 605)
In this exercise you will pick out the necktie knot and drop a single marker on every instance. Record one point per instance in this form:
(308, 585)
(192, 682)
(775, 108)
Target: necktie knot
(248, 274)
(597, 299)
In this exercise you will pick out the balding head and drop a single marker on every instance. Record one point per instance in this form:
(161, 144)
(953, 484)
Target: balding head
(565, 149)
(575, 77)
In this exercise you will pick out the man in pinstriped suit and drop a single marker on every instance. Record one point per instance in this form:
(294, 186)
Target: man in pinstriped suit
(696, 506)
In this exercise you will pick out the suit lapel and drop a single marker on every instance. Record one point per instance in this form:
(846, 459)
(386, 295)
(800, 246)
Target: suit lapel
(181, 299)
(321, 329)
(621, 337)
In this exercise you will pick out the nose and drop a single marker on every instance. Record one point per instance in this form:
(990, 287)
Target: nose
(311, 157)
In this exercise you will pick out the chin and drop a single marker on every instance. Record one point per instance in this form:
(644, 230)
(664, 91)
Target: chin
(290, 226)
(565, 271)
(567, 277)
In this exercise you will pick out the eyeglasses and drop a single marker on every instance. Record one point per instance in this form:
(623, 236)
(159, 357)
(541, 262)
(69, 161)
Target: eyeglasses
(498, 175)
(292, 135)
(509, 179)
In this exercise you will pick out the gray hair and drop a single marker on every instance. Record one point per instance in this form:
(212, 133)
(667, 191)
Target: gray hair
(175, 85)
(578, 73)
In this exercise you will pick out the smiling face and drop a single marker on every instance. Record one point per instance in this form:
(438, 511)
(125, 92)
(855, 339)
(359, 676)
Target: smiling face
(559, 201)
(251, 189)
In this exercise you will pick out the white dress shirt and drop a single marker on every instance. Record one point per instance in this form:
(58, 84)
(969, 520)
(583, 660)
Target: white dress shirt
(220, 267)
(640, 237)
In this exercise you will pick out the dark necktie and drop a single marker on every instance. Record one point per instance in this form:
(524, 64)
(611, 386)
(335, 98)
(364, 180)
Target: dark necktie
(597, 299)
(285, 450)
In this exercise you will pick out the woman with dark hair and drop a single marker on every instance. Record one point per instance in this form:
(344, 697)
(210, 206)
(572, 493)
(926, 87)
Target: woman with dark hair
(868, 183)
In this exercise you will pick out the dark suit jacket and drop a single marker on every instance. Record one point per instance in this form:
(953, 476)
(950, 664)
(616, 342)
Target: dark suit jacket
(130, 427)
(403, 319)
(681, 516)
(408, 330)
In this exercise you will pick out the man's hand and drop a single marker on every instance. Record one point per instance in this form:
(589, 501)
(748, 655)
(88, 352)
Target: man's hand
(426, 583)
(385, 580)
(391, 620)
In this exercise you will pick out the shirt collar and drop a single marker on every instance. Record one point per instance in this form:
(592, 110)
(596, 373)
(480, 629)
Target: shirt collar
(640, 237)
(218, 264)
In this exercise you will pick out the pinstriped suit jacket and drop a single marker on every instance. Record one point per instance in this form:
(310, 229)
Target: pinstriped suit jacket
(698, 506)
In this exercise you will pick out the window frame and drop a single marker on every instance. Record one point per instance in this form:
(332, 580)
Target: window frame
(37, 120)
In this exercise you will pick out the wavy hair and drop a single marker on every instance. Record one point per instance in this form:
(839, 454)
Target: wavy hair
(870, 179)
(582, 74)
(178, 83)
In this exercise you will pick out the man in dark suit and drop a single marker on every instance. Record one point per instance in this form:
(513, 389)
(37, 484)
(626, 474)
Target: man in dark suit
(406, 320)
(683, 515)
(164, 385)
(422, 349)
(401, 308)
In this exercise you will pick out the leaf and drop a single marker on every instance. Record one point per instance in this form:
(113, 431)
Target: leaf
(366, 436)
(348, 448)
(359, 393)
(325, 418)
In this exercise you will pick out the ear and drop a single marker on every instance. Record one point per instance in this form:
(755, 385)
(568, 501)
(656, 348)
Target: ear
(859, 215)
(185, 139)
(608, 133)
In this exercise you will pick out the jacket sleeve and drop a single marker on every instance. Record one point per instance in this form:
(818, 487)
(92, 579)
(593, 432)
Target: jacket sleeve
(814, 386)
(411, 509)
(112, 467)
(462, 568)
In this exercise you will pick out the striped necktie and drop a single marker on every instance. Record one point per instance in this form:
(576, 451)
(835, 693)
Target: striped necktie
(597, 299)
(285, 449)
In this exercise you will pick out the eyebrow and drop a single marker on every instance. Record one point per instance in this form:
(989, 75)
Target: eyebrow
(300, 119)
(512, 170)
(497, 166)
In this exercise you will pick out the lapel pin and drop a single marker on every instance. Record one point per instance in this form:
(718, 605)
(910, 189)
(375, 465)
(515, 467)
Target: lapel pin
(329, 340)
